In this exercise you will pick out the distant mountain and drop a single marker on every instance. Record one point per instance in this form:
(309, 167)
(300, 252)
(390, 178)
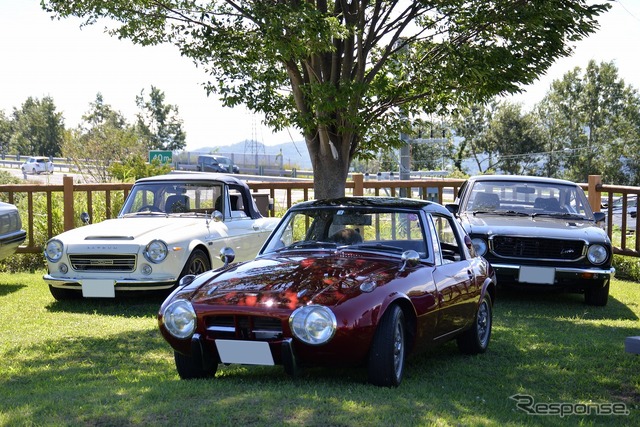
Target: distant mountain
(294, 154)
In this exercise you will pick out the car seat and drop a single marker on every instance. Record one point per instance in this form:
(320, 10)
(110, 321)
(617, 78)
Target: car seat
(548, 204)
(346, 236)
(486, 201)
(177, 203)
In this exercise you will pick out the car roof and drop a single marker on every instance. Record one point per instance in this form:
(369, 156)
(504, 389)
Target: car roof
(193, 177)
(392, 202)
(521, 178)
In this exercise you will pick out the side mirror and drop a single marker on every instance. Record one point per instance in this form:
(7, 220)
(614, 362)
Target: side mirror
(85, 218)
(186, 280)
(227, 255)
(409, 258)
(452, 207)
(217, 216)
(599, 216)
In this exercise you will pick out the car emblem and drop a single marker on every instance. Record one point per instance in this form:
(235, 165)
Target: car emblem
(101, 262)
(567, 252)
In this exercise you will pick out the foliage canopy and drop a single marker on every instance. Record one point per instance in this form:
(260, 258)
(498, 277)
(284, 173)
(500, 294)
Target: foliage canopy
(349, 74)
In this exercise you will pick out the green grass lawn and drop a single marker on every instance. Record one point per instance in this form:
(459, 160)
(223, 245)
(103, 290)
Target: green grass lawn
(103, 362)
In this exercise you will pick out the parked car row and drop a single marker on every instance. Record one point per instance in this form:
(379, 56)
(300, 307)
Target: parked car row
(360, 281)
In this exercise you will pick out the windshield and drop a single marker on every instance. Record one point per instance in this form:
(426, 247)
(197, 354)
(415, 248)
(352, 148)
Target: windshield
(380, 229)
(172, 198)
(527, 198)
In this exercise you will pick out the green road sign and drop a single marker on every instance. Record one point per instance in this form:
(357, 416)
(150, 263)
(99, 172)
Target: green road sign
(164, 156)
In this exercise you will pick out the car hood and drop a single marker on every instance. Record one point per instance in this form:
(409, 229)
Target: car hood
(543, 226)
(291, 281)
(130, 230)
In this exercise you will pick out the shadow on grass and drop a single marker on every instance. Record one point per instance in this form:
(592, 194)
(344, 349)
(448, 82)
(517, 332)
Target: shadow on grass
(6, 289)
(139, 305)
(563, 303)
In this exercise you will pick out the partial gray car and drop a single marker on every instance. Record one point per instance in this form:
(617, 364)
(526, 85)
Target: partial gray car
(11, 233)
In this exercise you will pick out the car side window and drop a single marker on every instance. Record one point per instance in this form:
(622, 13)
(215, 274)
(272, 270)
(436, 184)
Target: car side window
(575, 204)
(142, 199)
(446, 235)
(296, 230)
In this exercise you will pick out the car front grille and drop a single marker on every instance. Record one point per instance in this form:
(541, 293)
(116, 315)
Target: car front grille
(244, 327)
(536, 248)
(106, 263)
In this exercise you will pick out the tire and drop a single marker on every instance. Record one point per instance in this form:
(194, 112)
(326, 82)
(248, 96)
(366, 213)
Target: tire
(475, 340)
(388, 349)
(64, 294)
(197, 263)
(189, 368)
(597, 296)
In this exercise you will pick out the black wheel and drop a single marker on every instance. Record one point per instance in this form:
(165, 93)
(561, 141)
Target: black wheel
(189, 368)
(149, 208)
(597, 295)
(64, 294)
(198, 263)
(387, 355)
(476, 339)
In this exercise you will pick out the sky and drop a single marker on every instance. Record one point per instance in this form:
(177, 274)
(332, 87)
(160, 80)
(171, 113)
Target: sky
(44, 57)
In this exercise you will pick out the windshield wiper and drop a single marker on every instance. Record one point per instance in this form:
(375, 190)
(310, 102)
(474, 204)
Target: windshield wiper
(312, 244)
(378, 246)
(144, 213)
(499, 212)
(511, 213)
(563, 215)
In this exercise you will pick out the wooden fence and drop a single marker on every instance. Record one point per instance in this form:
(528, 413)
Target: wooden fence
(284, 194)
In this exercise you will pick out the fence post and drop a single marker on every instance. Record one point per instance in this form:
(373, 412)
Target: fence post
(67, 196)
(358, 186)
(595, 196)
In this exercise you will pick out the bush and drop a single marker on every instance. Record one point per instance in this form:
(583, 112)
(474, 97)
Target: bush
(627, 267)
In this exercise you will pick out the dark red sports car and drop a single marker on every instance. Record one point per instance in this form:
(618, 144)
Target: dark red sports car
(351, 281)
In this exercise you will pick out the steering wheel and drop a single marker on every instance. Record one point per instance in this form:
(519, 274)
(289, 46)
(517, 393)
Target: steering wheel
(149, 208)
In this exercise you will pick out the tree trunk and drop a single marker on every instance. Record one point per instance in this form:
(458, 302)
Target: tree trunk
(330, 167)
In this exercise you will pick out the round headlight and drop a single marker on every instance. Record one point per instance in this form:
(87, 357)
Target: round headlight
(180, 319)
(53, 250)
(480, 245)
(313, 324)
(156, 251)
(597, 254)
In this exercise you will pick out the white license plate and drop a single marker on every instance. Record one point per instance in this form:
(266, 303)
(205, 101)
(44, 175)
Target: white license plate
(244, 352)
(537, 275)
(99, 288)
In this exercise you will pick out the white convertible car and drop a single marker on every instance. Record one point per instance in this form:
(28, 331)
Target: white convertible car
(169, 226)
